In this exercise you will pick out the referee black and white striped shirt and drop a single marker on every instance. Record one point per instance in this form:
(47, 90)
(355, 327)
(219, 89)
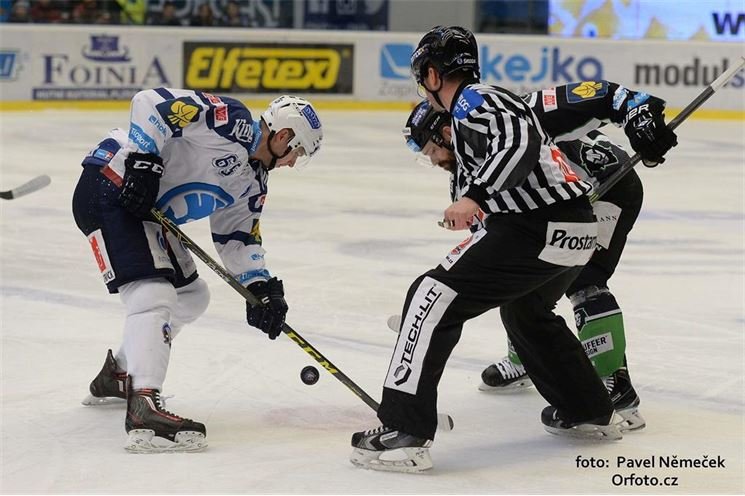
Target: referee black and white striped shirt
(506, 161)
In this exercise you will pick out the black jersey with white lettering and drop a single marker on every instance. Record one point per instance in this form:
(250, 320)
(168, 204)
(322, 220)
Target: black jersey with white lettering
(571, 111)
(571, 115)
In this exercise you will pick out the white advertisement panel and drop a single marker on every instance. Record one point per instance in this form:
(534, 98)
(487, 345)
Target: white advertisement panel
(96, 63)
(47, 63)
(676, 71)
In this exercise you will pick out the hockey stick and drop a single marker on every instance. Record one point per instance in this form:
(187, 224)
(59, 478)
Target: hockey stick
(674, 123)
(28, 187)
(444, 421)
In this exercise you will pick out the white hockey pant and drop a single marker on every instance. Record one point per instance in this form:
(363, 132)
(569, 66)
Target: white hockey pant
(156, 312)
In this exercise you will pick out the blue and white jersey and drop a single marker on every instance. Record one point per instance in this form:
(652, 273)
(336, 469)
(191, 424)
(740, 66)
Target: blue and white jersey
(205, 142)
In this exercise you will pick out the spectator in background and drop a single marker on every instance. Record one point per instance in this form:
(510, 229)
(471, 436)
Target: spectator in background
(105, 17)
(20, 12)
(204, 16)
(167, 17)
(47, 11)
(233, 16)
(86, 12)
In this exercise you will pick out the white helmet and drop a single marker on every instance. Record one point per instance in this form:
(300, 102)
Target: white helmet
(300, 116)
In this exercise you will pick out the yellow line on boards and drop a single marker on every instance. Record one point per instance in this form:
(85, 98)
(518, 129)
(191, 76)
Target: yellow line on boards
(320, 104)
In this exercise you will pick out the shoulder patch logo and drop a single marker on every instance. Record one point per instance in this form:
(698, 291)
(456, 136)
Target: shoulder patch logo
(182, 114)
(468, 100)
(586, 90)
(179, 113)
(221, 115)
(549, 100)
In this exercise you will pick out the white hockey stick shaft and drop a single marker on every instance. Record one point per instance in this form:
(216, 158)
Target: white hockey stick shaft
(29, 187)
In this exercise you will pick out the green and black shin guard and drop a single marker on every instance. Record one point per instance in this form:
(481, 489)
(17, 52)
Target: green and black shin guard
(600, 328)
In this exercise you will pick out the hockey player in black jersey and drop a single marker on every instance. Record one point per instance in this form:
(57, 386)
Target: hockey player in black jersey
(539, 232)
(597, 314)
(566, 112)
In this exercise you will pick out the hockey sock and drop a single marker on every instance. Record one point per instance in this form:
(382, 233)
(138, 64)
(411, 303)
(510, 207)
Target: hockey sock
(193, 299)
(600, 324)
(147, 332)
(512, 354)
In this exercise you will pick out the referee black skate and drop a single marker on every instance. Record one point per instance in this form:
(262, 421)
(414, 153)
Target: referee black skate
(540, 231)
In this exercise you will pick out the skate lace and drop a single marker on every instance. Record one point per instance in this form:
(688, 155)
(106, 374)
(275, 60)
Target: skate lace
(161, 406)
(610, 383)
(510, 370)
(377, 430)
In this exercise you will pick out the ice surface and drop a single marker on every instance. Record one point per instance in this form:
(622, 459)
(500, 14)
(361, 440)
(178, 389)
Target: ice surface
(348, 234)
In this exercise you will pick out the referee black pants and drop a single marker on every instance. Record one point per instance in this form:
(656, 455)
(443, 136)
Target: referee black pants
(522, 263)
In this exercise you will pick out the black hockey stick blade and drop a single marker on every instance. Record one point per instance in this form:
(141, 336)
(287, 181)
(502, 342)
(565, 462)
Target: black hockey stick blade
(29, 187)
(675, 122)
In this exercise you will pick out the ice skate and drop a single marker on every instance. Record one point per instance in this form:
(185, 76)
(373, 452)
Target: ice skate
(625, 400)
(504, 377)
(601, 429)
(390, 450)
(152, 429)
(109, 385)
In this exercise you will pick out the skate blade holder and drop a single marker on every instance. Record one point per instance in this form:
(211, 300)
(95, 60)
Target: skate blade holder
(91, 400)
(589, 432)
(145, 441)
(408, 460)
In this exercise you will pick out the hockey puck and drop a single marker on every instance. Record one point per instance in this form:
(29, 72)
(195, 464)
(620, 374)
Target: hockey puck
(309, 375)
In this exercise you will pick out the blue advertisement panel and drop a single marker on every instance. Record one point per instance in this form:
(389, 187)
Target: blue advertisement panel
(363, 15)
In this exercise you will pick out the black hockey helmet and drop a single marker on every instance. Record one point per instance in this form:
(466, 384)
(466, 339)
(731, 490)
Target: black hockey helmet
(448, 50)
(424, 124)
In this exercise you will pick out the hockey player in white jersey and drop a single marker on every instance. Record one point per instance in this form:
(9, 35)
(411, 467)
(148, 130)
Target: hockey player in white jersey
(191, 155)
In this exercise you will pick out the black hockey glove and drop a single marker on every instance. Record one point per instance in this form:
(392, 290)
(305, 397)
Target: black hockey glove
(141, 182)
(269, 317)
(645, 127)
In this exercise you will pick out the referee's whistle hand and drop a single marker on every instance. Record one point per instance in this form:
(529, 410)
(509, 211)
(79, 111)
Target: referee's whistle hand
(460, 214)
